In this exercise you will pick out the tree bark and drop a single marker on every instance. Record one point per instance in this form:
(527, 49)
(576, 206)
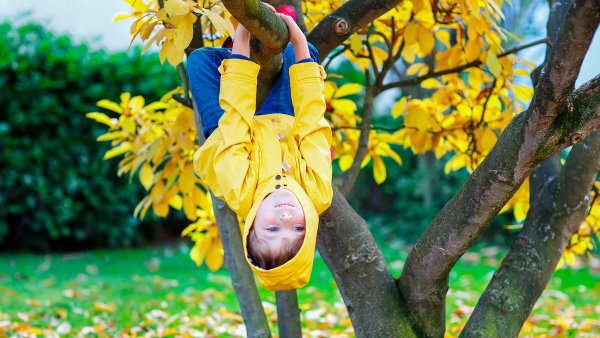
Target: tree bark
(288, 314)
(526, 270)
(353, 15)
(548, 126)
(361, 273)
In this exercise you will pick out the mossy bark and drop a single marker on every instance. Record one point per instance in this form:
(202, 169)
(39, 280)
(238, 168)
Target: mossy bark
(524, 273)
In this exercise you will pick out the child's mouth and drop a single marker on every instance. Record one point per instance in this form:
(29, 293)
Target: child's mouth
(284, 204)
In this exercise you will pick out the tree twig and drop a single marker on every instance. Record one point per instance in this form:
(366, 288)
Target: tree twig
(476, 63)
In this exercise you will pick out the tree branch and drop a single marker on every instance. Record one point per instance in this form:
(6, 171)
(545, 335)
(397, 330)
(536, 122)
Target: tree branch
(526, 270)
(424, 280)
(363, 140)
(415, 81)
(361, 273)
(241, 275)
(336, 27)
(264, 24)
(288, 314)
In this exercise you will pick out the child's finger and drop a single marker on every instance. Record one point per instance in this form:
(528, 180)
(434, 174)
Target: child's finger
(270, 7)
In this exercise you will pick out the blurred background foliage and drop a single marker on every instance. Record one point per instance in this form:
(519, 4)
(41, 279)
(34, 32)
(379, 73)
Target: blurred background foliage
(56, 192)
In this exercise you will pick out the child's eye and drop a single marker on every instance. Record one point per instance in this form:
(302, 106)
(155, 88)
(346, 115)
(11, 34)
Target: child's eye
(272, 229)
(298, 228)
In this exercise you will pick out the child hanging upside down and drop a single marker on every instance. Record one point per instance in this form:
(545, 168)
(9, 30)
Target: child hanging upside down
(271, 166)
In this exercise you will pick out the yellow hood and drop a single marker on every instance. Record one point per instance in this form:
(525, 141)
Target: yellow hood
(295, 273)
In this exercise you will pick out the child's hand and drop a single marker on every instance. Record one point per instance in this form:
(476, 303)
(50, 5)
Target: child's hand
(241, 41)
(297, 37)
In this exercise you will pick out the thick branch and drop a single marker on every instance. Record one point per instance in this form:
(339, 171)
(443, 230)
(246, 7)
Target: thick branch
(548, 126)
(361, 273)
(336, 27)
(526, 270)
(288, 314)
(263, 23)
(241, 275)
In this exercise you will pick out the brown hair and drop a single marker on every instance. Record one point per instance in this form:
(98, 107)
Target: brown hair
(263, 256)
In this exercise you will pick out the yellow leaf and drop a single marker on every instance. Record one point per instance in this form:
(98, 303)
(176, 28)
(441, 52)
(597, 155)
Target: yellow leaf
(100, 117)
(176, 7)
(105, 307)
(147, 30)
(344, 105)
(118, 150)
(355, 43)
(416, 117)
(414, 68)
(112, 135)
(109, 105)
(161, 208)
(219, 22)
(174, 55)
(199, 250)
(444, 37)
(410, 33)
(159, 34)
(488, 139)
(189, 208)
(185, 30)
(155, 105)
(475, 80)
(426, 39)
(146, 176)
(431, 83)
(409, 54)
(346, 162)
(472, 51)
(187, 178)
(493, 64)
(348, 89)
(214, 256)
(379, 172)
(176, 202)
(122, 16)
(399, 107)
(162, 54)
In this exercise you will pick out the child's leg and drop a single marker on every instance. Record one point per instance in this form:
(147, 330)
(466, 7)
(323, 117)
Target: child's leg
(205, 79)
(279, 100)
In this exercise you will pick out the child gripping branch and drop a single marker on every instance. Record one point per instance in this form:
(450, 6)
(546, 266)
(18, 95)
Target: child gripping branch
(271, 166)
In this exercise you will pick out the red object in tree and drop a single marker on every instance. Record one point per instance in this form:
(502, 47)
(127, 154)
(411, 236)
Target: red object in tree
(288, 10)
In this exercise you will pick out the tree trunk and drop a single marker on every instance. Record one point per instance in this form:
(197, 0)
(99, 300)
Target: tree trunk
(526, 270)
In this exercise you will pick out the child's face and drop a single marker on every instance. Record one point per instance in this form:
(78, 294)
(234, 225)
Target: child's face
(279, 216)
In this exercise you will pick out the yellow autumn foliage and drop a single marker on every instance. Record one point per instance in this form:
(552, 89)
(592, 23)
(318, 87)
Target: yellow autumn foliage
(453, 49)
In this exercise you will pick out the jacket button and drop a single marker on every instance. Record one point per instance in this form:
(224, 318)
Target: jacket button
(280, 136)
(278, 186)
(278, 177)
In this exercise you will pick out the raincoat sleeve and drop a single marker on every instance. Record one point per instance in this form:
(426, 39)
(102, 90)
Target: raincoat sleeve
(312, 132)
(235, 170)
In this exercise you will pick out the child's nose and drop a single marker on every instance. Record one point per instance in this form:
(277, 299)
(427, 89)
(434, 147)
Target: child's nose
(284, 215)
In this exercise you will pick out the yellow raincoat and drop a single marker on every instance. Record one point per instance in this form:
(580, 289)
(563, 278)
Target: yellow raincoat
(247, 157)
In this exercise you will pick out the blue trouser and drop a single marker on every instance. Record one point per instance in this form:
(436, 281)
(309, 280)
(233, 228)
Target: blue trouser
(205, 80)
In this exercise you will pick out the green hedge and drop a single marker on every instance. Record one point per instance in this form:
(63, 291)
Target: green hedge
(56, 192)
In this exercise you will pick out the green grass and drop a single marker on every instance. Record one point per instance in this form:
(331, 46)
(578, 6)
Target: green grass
(160, 291)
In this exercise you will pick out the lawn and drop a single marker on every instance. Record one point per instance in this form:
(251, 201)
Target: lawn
(160, 292)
